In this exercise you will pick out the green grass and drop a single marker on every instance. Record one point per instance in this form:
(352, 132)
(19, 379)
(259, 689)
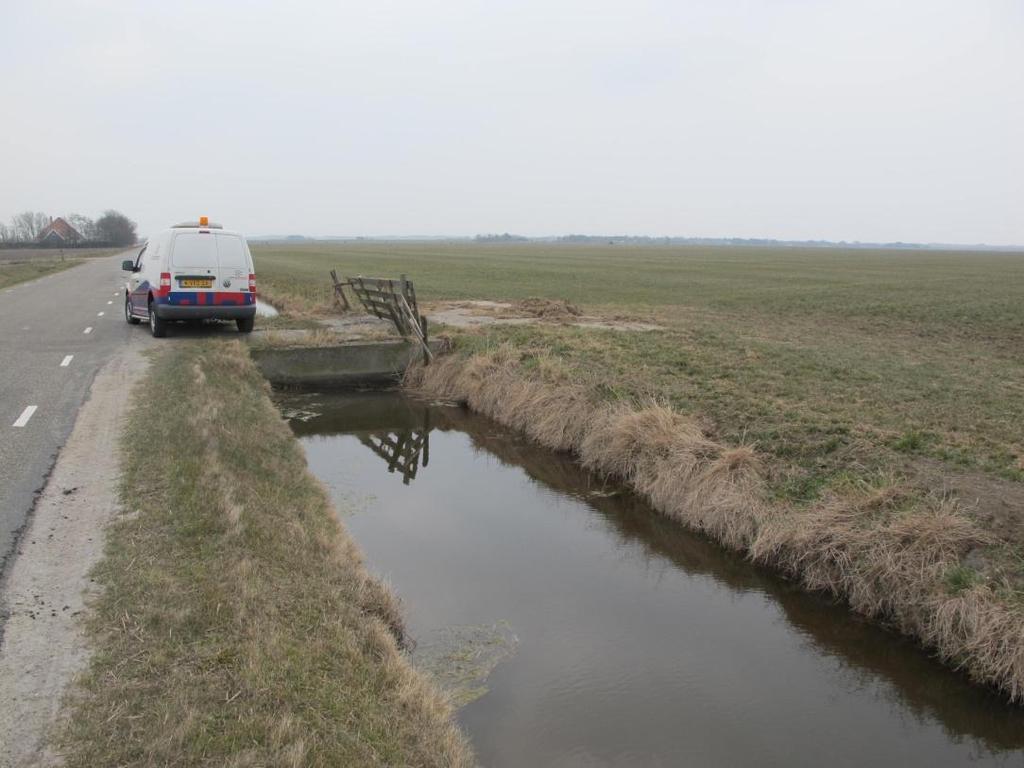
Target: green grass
(826, 359)
(20, 272)
(973, 294)
(236, 624)
(961, 578)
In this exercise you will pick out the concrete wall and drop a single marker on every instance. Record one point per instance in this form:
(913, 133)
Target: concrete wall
(347, 365)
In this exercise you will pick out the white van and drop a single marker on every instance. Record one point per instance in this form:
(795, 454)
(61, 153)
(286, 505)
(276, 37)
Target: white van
(193, 271)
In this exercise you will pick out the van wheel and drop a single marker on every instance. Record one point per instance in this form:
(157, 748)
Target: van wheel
(128, 311)
(245, 324)
(157, 326)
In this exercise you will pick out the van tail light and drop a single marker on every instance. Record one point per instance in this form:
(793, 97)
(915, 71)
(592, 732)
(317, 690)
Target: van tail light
(165, 283)
(252, 283)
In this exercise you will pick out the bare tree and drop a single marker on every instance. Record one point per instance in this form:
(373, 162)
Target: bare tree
(6, 233)
(115, 228)
(85, 226)
(28, 225)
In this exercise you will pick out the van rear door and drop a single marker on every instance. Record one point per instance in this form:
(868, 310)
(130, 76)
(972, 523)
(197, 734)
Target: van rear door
(194, 266)
(233, 260)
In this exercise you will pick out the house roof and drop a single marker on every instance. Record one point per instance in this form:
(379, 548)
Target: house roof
(60, 228)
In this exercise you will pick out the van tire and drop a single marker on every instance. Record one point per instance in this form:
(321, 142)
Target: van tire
(157, 326)
(128, 311)
(245, 324)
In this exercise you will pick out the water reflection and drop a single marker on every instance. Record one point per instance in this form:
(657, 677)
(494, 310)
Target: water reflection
(627, 656)
(397, 432)
(401, 450)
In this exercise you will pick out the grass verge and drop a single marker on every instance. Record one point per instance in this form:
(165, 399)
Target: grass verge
(20, 272)
(236, 624)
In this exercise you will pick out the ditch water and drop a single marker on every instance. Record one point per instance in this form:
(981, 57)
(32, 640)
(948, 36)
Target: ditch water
(263, 309)
(581, 628)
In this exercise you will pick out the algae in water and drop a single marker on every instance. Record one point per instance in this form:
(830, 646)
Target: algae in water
(460, 658)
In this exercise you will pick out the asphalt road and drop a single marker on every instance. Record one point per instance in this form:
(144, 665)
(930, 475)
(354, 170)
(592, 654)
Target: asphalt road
(43, 323)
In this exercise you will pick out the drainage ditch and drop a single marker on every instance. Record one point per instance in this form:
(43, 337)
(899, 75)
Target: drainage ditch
(574, 625)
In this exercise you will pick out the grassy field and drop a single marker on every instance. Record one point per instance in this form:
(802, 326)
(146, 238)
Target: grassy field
(237, 625)
(17, 265)
(969, 293)
(19, 272)
(53, 254)
(828, 360)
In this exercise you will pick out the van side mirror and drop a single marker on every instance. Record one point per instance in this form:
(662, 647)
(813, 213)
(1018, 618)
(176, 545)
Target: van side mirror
(128, 265)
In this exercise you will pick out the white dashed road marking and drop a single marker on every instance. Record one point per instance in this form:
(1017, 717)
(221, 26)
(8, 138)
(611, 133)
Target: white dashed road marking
(100, 314)
(25, 416)
(66, 361)
(88, 330)
(110, 302)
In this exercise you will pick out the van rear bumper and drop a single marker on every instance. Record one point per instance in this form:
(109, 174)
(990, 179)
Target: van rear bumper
(204, 312)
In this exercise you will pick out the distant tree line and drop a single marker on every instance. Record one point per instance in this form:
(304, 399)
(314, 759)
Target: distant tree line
(737, 241)
(113, 228)
(503, 238)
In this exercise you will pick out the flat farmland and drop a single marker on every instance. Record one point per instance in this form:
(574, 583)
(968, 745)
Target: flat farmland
(832, 362)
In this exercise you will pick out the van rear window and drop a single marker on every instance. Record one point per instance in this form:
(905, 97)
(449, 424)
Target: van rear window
(192, 249)
(231, 252)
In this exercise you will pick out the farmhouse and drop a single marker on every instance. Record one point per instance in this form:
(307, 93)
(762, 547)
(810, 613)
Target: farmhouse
(58, 232)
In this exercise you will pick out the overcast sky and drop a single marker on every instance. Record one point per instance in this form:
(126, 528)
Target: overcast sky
(854, 120)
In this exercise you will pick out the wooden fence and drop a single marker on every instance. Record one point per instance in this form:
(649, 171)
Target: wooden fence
(388, 299)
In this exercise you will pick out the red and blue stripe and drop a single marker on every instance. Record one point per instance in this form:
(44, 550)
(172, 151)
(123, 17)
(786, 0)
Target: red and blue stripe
(206, 298)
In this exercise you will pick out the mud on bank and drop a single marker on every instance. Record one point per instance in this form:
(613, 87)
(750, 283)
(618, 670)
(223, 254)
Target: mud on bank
(894, 553)
(237, 624)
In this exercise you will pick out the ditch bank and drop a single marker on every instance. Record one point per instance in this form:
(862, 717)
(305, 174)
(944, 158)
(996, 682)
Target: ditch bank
(573, 624)
(236, 623)
(892, 554)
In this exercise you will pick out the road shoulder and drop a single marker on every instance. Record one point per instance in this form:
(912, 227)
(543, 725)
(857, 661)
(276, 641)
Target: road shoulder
(48, 584)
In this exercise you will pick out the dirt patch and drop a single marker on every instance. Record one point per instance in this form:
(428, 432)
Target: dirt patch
(358, 326)
(330, 332)
(48, 583)
(548, 309)
(477, 313)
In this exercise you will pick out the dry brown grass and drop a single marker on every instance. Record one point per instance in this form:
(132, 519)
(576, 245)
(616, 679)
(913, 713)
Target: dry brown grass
(237, 624)
(548, 309)
(888, 556)
(883, 549)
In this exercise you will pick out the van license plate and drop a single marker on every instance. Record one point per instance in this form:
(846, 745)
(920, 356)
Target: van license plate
(195, 283)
